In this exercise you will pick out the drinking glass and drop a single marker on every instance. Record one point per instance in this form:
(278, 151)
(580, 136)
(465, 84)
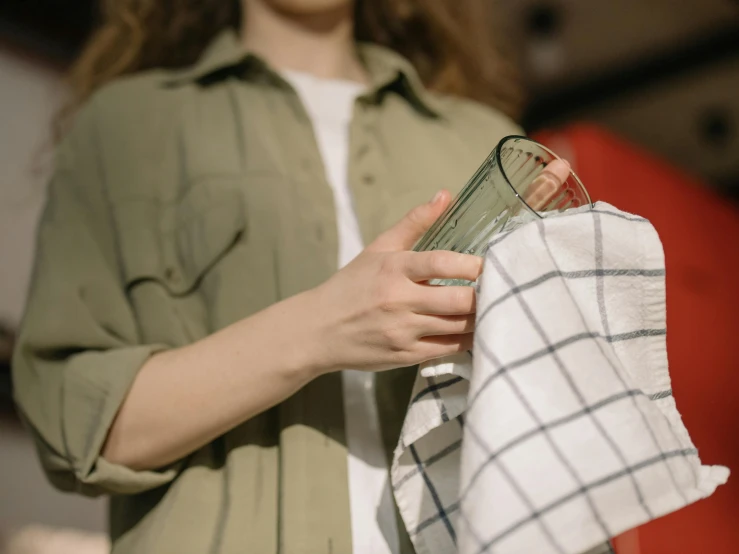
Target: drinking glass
(501, 195)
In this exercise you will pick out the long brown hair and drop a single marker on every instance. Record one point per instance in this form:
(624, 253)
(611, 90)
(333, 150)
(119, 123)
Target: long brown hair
(451, 43)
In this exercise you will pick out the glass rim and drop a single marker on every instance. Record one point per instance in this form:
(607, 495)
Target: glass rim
(499, 162)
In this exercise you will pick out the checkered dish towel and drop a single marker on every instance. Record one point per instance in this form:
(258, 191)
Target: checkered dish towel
(560, 431)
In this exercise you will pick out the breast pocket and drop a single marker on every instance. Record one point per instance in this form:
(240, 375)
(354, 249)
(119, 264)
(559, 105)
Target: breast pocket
(168, 249)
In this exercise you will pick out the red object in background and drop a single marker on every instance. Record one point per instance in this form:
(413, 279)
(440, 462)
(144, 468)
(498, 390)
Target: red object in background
(700, 234)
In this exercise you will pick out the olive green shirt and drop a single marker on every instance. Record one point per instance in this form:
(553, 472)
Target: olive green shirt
(182, 202)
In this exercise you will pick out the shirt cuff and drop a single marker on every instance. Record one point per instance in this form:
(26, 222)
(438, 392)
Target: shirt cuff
(95, 385)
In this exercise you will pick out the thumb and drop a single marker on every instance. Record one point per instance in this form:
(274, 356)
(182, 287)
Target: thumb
(404, 234)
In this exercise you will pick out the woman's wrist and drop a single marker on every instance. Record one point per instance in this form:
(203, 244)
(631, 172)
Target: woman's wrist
(305, 339)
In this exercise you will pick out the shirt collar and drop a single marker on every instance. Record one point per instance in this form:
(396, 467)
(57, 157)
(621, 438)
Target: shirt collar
(387, 70)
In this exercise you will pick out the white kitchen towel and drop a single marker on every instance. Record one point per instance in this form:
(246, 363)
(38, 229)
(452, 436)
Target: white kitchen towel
(560, 430)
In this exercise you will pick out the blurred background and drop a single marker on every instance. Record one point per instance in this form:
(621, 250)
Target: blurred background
(641, 95)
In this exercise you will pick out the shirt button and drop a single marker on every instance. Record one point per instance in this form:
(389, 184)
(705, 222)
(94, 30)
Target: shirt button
(171, 274)
(368, 179)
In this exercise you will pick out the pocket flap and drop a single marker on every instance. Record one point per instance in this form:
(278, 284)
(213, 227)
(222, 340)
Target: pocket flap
(175, 244)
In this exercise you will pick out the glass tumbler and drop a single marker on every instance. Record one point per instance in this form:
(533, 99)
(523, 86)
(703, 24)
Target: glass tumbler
(502, 194)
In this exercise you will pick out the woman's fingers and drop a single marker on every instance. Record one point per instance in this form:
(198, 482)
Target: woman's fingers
(559, 169)
(441, 264)
(544, 188)
(438, 325)
(431, 348)
(447, 300)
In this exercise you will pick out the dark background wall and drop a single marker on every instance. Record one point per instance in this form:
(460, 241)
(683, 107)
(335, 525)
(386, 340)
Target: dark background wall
(662, 73)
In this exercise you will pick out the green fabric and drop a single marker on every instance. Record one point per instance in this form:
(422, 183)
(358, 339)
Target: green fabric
(181, 203)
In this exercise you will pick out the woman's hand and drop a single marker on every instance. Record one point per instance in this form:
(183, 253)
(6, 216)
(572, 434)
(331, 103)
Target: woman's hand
(378, 312)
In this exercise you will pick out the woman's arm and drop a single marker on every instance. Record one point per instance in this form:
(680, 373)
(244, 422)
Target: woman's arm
(374, 314)
(184, 398)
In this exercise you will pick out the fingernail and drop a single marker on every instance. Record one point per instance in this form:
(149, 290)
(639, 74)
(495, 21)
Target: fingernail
(437, 197)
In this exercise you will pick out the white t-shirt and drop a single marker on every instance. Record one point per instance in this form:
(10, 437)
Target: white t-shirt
(330, 104)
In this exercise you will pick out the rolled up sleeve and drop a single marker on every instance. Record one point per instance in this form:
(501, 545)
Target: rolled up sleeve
(79, 348)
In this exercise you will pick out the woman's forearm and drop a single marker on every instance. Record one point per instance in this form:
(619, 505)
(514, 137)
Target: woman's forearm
(182, 399)
(375, 314)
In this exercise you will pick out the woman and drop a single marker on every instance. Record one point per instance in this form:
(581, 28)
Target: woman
(186, 329)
